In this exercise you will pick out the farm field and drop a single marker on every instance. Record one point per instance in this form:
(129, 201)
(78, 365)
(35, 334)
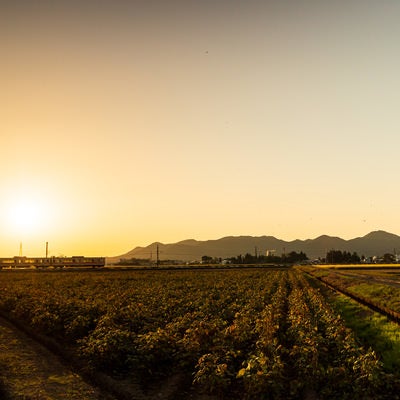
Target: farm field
(242, 334)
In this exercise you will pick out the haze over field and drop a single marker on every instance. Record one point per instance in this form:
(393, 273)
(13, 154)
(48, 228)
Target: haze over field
(125, 123)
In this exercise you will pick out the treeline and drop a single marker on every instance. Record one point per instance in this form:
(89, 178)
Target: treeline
(290, 258)
(342, 257)
(332, 257)
(345, 257)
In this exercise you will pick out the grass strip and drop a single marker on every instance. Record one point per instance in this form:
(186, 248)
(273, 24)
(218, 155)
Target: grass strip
(372, 329)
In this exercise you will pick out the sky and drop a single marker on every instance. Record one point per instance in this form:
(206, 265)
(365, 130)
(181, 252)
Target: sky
(124, 123)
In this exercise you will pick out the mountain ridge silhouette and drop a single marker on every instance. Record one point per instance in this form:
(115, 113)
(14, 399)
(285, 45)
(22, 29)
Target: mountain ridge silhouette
(375, 243)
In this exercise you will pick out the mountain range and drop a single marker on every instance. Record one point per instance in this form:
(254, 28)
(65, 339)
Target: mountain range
(375, 243)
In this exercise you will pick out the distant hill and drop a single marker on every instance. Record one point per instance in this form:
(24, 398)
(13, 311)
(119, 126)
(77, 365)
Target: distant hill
(374, 243)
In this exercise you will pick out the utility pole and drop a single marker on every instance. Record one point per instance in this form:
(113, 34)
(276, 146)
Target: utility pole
(20, 249)
(158, 256)
(47, 249)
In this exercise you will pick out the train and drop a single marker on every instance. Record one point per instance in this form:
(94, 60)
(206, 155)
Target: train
(52, 262)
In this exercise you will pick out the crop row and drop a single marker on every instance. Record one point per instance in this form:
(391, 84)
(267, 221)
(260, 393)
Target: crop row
(242, 333)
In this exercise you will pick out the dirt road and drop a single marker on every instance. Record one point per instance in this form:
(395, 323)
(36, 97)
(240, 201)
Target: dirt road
(366, 277)
(31, 372)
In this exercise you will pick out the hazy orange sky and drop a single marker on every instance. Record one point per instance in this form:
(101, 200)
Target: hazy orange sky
(124, 123)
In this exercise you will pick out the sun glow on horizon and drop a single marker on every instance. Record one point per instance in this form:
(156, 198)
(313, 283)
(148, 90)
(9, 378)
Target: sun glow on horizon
(131, 123)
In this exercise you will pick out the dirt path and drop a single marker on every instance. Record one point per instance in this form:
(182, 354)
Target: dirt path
(376, 279)
(29, 371)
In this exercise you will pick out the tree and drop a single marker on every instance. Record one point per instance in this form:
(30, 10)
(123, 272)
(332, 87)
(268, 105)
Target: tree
(388, 258)
(206, 260)
(339, 257)
(294, 257)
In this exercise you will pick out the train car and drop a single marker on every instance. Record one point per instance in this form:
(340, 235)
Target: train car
(52, 262)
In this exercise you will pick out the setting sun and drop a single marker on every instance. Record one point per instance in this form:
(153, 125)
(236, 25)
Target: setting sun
(27, 216)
